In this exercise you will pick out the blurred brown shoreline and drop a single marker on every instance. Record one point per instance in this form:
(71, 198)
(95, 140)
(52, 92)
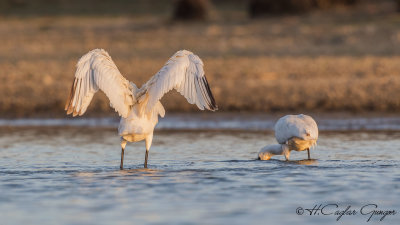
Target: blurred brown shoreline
(337, 60)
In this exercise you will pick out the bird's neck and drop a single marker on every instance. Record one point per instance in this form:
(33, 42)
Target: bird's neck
(283, 148)
(271, 150)
(278, 149)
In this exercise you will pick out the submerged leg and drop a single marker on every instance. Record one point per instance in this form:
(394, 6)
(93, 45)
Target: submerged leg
(149, 139)
(145, 158)
(308, 152)
(123, 144)
(287, 155)
(286, 152)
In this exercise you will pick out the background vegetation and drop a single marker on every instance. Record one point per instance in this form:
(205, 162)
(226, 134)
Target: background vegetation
(336, 58)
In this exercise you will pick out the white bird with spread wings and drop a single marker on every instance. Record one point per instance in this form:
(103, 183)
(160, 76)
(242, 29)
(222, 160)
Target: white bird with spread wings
(139, 108)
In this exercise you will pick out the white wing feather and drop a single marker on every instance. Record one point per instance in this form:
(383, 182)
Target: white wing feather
(183, 72)
(95, 71)
(301, 126)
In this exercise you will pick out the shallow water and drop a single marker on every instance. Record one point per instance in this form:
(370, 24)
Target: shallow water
(70, 175)
(221, 121)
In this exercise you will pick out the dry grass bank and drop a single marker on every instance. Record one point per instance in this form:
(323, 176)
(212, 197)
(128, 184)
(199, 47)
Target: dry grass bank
(324, 61)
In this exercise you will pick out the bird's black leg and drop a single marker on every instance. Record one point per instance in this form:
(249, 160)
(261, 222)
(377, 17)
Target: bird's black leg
(121, 167)
(308, 151)
(145, 158)
(123, 144)
(149, 139)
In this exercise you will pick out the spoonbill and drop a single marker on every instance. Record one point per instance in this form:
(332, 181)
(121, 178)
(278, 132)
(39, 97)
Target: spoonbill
(138, 108)
(293, 132)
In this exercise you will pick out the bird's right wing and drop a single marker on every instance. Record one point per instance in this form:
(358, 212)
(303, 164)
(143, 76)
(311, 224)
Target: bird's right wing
(95, 71)
(183, 72)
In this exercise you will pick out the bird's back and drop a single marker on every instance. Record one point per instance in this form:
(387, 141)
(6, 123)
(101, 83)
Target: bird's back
(140, 122)
(300, 126)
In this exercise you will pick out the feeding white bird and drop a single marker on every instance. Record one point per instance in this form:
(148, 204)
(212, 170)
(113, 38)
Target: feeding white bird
(293, 132)
(139, 108)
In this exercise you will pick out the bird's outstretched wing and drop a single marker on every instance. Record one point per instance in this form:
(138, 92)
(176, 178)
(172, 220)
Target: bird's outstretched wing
(183, 72)
(301, 126)
(95, 71)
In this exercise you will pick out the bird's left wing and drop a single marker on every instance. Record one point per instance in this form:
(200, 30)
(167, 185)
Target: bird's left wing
(96, 70)
(183, 72)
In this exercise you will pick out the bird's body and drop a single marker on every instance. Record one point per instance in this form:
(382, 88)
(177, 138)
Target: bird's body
(293, 132)
(136, 128)
(138, 125)
(139, 108)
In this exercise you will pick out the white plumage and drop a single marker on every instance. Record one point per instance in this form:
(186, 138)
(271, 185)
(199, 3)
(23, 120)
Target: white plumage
(293, 132)
(138, 108)
(301, 126)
